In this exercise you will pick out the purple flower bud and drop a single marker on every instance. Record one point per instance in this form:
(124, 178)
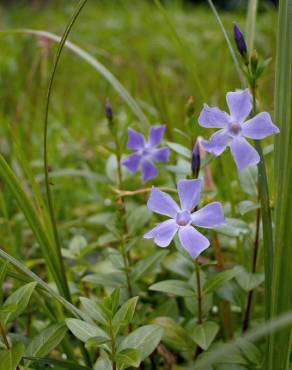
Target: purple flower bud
(239, 40)
(109, 110)
(196, 159)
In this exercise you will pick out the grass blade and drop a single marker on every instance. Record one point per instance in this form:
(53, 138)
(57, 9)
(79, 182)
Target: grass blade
(40, 234)
(231, 50)
(281, 290)
(98, 66)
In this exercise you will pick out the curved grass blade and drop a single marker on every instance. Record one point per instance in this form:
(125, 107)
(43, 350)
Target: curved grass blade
(57, 243)
(231, 50)
(253, 335)
(98, 66)
(75, 311)
(280, 343)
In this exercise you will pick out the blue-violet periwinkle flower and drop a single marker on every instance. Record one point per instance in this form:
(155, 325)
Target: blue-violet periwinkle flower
(183, 218)
(146, 152)
(234, 128)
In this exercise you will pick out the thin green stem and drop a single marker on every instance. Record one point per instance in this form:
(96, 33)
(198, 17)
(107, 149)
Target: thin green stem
(254, 266)
(266, 217)
(113, 346)
(199, 292)
(45, 143)
(123, 214)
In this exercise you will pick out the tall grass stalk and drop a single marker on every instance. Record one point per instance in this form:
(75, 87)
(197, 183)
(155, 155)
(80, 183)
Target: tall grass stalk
(280, 344)
(251, 23)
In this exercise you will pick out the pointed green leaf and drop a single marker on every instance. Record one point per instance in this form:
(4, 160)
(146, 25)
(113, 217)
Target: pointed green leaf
(20, 298)
(126, 312)
(144, 339)
(43, 343)
(205, 333)
(128, 357)
(83, 330)
(174, 287)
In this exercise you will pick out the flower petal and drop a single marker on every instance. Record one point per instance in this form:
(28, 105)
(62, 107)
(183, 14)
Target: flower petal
(163, 233)
(162, 203)
(189, 192)
(240, 105)
(243, 153)
(259, 127)
(193, 241)
(136, 140)
(213, 117)
(155, 135)
(161, 155)
(149, 171)
(132, 162)
(209, 216)
(218, 142)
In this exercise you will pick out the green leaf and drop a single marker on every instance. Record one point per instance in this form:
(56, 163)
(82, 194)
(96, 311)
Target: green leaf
(174, 287)
(126, 312)
(9, 360)
(144, 339)
(93, 310)
(174, 335)
(205, 333)
(137, 219)
(147, 265)
(43, 343)
(19, 298)
(96, 342)
(77, 244)
(248, 180)
(180, 149)
(103, 363)
(247, 280)
(128, 357)
(109, 280)
(218, 280)
(233, 228)
(246, 206)
(83, 330)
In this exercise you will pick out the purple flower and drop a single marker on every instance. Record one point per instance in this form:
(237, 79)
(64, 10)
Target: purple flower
(182, 218)
(146, 152)
(234, 128)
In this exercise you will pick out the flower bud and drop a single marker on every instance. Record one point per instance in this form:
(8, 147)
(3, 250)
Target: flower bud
(109, 111)
(254, 61)
(239, 41)
(196, 159)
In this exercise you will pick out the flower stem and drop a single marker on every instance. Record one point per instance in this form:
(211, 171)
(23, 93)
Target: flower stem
(224, 305)
(266, 217)
(199, 292)
(123, 215)
(254, 266)
(113, 347)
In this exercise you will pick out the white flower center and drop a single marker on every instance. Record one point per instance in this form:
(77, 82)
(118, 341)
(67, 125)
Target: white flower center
(183, 218)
